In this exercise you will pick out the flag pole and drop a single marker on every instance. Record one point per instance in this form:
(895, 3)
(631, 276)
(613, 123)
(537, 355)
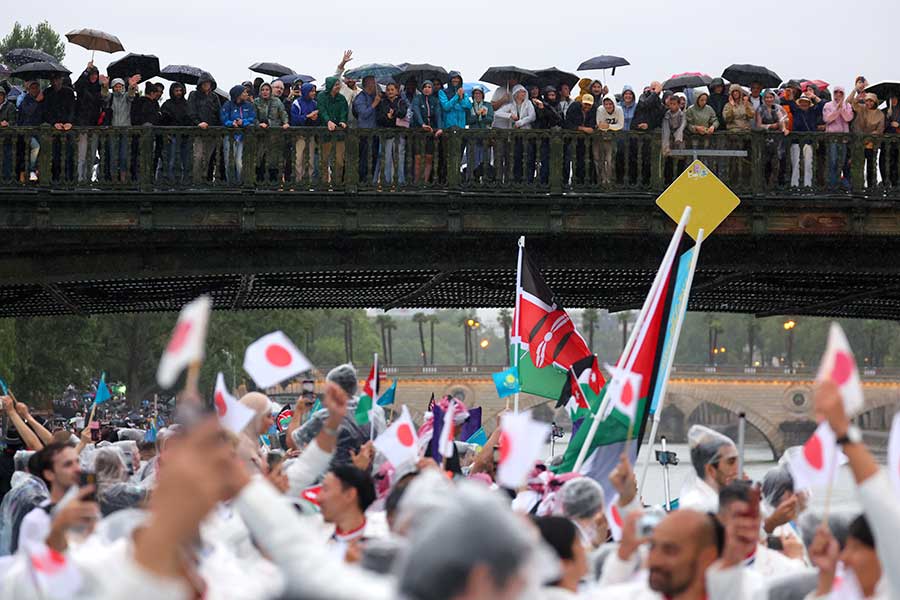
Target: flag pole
(375, 399)
(667, 368)
(638, 325)
(516, 334)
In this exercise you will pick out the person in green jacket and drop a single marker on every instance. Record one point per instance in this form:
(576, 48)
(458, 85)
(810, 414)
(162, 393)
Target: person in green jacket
(334, 112)
(480, 116)
(270, 113)
(701, 118)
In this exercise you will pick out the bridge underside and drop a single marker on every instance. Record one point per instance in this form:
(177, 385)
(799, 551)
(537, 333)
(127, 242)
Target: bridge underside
(104, 252)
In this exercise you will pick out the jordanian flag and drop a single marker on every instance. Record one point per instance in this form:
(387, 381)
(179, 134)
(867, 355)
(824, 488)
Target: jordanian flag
(545, 343)
(369, 396)
(645, 359)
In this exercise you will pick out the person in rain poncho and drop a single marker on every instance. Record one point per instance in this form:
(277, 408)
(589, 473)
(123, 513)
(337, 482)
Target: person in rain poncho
(270, 113)
(27, 493)
(519, 113)
(738, 112)
(718, 99)
(582, 500)
(701, 117)
(715, 461)
(454, 102)
(609, 118)
(250, 447)
(113, 490)
(863, 576)
(118, 114)
(781, 504)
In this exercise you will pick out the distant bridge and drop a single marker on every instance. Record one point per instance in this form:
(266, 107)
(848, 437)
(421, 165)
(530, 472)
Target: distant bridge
(777, 402)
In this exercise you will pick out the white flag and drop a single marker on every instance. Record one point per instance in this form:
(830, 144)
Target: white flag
(839, 366)
(815, 465)
(614, 518)
(273, 358)
(893, 457)
(186, 346)
(233, 415)
(399, 442)
(624, 391)
(522, 440)
(448, 431)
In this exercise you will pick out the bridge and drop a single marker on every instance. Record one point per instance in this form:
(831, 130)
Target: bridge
(777, 401)
(129, 239)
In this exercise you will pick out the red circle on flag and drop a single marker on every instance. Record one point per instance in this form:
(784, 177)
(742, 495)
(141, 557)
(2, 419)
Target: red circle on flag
(843, 368)
(179, 336)
(221, 407)
(616, 515)
(813, 453)
(405, 435)
(627, 394)
(278, 355)
(505, 449)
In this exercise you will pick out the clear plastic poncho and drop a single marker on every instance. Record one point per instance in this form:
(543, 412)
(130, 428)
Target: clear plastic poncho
(707, 447)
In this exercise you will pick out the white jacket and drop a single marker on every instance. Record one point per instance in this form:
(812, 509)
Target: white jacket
(698, 495)
(305, 471)
(524, 112)
(879, 501)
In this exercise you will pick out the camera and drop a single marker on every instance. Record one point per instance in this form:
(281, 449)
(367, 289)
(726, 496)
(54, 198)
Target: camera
(666, 458)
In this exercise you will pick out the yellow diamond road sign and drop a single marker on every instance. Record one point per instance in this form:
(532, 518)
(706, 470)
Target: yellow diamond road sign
(710, 200)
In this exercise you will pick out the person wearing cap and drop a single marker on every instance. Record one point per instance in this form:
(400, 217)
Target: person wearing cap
(806, 112)
(771, 118)
(581, 117)
(869, 122)
(715, 461)
(91, 90)
(609, 118)
(837, 114)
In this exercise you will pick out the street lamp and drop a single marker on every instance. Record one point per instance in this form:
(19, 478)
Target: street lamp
(789, 328)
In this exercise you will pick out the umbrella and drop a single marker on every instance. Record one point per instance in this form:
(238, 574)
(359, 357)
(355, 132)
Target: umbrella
(222, 93)
(819, 83)
(682, 81)
(4, 71)
(468, 88)
(182, 73)
(94, 39)
(380, 71)
(23, 56)
(145, 65)
(747, 74)
(14, 92)
(422, 72)
(603, 62)
(290, 80)
(40, 70)
(503, 75)
(272, 68)
(554, 77)
(885, 89)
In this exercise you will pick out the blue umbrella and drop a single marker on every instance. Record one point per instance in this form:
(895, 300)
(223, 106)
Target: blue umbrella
(469, 87)
(380, 71)
(290, 80)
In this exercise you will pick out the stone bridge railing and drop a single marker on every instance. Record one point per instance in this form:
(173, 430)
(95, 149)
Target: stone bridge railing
(305, 159)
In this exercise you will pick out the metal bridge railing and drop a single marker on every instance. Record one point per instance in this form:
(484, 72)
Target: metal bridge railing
(384, 160)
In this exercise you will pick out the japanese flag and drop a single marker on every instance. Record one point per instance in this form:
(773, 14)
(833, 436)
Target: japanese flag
(186, 346)
(54, 575)
(273, 358)
(615, 519)
(399, 442)
(839, 366)
(233, 415)
(893, 457)
(312, 494)
(623, 392)
(815, 466)
(522, 440)
(448, 431)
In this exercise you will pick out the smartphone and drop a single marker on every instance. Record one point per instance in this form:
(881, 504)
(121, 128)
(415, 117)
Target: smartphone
(95, 431)
(308, 385)
(88, 478)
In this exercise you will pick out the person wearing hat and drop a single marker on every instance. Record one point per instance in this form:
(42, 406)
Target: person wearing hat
(806, 114)
(869, 121)
(582, 117)
(837, 114)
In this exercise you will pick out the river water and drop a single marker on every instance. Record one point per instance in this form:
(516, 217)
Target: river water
(758, 460)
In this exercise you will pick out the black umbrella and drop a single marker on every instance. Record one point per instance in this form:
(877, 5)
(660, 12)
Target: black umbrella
(748, 74)
(681, 82)
(885, 89)
(421, 73)
(39, 70)
(23, 56)
(272, 68)
(145, 65)
(554, 77)
(380, 71)
(603, 62)
(290, 80)
(94, 39)
(503, 75)
(185, 74)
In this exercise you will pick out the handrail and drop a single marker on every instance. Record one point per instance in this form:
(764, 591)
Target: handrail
(303, 160)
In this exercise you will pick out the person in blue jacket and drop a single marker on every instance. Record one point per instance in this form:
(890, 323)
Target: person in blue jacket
(239, 113)
(305, 113)
(454, 102)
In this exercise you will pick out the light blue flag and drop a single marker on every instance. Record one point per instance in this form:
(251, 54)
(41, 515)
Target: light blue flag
(102, 394)
(507, 382)
(679, 305)
(4, 387)
(387, 398)
(479, 437)
(150, 434)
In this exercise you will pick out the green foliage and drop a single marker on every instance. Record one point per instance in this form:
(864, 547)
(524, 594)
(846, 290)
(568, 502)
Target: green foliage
(40, 37)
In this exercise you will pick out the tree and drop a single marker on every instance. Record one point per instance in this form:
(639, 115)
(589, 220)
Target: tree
(420, 319)
(752, 330)
(347, 319)
(41, 37)
(623, 320)
(433, 320)
(504, 318)
(390, 326)
(589, 318)
(382, 321)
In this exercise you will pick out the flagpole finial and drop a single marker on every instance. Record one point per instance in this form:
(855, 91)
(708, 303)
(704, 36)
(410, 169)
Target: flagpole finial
(521, 241)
